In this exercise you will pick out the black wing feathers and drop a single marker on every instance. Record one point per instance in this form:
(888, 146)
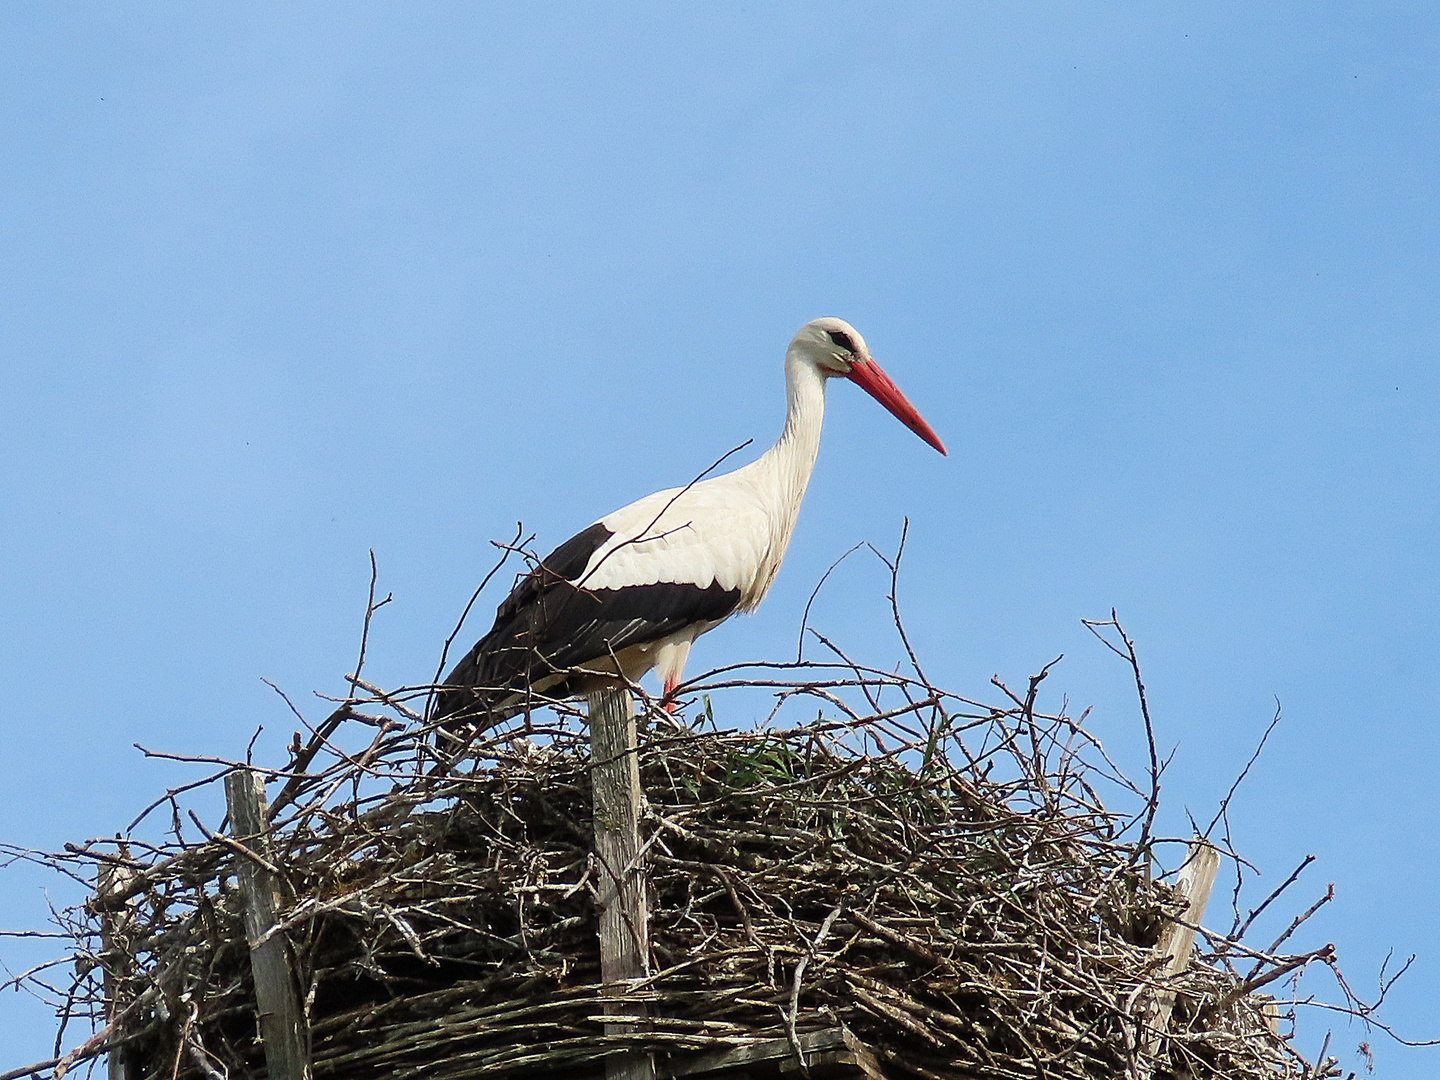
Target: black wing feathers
(574, 625)
(566, 563)
(549, 624)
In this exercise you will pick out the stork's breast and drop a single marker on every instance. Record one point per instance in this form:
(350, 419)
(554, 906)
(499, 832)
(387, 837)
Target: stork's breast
(699, 537)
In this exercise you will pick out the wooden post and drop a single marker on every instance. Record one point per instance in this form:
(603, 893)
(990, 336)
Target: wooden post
(112, 878)
(624, 907)
(281, 1024)
(1177, 942)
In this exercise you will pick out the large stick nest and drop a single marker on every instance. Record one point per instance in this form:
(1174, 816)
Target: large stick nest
(940, 878)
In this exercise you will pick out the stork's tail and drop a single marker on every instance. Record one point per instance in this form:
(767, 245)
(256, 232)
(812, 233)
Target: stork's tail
(496, 680)
(470, 699)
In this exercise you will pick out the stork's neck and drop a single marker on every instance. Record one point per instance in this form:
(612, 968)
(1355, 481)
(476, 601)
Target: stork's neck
(791, 460)
(780, 476)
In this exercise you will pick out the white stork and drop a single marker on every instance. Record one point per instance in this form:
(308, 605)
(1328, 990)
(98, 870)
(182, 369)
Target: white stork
(634, 590)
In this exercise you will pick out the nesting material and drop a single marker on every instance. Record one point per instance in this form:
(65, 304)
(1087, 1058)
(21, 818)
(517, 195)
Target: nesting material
(937, 880)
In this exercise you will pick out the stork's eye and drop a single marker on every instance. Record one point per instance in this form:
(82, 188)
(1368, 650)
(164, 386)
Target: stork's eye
(839, 337)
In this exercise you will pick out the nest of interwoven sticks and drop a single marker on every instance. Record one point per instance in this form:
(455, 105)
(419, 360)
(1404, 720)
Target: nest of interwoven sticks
(939, 880)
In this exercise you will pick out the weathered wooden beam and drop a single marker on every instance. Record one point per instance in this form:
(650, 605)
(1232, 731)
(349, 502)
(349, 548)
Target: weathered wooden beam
(282, 1026)
(834, 1052)
(112, 877)
(1177, 942)
(624, 906)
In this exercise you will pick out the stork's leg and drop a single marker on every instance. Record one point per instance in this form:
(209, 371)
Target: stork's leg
(670, 666)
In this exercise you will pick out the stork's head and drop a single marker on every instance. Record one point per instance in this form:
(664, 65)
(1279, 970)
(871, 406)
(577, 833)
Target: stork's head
(835, 348)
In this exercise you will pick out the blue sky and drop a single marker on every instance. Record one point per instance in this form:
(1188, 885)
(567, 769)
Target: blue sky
(285, 284)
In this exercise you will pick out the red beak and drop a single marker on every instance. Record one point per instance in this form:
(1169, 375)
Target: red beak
(869, 377)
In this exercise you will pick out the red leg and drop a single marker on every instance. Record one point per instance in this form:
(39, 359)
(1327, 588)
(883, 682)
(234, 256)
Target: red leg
(670, 684)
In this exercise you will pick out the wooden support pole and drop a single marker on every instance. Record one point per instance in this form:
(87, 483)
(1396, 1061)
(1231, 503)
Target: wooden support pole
(1177, 942)
(112, 878)
(624, 906)
(282, 1026)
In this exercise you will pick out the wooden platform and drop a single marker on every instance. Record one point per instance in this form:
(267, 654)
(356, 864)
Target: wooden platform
(832, 1054)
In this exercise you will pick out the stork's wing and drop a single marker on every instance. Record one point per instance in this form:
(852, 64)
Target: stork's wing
(672, 560)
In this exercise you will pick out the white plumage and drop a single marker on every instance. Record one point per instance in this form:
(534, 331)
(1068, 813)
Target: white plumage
(633, 591)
